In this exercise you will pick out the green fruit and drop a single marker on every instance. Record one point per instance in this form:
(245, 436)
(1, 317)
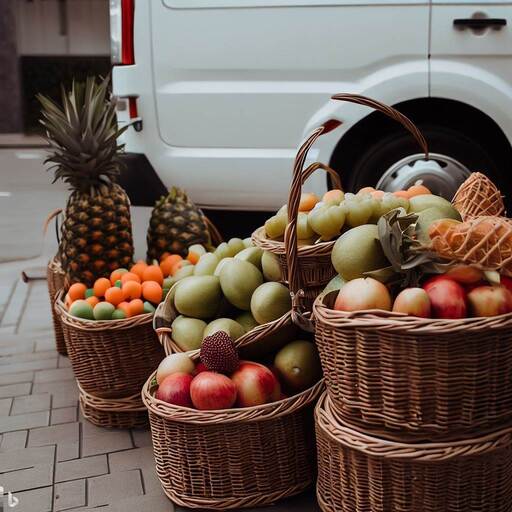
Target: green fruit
(89, 292)
(252, 255)
(298, 365)
(328, 220)
(238, 280)
(427, 217)
(148, 307)
(220, 266)
(358, 212)
(223, 251)
(276, 225)
(206, 265)
(236, 245)
(168, 282)
(229, 326)
(247, 321)
(187, 333)
(334, 284)
(304, 230)
(270, 266)
(248, 242)
(198, 296)
(419, 203)
(270, 343)
(118, 283)
(103, 311)
(358, 251)
(118, 314)
(81, 309)
(283, 210)
(186, 271)
(270, 301)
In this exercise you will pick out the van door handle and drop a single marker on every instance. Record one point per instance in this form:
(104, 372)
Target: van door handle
(479, 23)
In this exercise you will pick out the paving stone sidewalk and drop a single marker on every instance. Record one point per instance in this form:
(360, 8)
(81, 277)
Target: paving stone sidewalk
(50, 458)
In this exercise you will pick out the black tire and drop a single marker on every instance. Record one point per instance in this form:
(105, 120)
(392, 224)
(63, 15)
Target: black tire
(379, 155)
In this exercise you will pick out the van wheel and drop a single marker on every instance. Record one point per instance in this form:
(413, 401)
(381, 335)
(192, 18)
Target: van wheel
(389, 161)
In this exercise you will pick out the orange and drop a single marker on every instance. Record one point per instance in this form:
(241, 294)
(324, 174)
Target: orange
(164, 255)
(193, 257)
(125, 306)
(136, 307)
(178, 265)
(307, 202)
(131, 290)
(153, 273)
(402, 193)
(93, 300)
(129, 276)
(77, 291)
(139, 268)
(116, 275)
(114, 295)
(334, 195)
(152, 291)
(366, 190)
(167, 263)
(377, 194)
(418, 190)
(101, 285)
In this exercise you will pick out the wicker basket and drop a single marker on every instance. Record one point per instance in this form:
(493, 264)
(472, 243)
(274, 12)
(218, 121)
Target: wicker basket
(235, 458)
(111, 360)
(360, 473)
(55, 280)
(261, 340)
(403, 377)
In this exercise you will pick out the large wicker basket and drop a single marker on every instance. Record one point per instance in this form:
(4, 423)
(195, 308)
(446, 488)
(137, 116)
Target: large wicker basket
(360, 473)
(261, 340)
(404, 377)
(235, 458)
(111, 360)
(55, 281)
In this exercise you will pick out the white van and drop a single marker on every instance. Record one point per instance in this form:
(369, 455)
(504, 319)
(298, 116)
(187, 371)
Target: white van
(221, 92)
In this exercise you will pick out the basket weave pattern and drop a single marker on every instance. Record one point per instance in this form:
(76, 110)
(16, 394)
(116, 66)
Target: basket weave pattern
(235, 458)
(406, 377)
(55, 280)
(111, 358)
(478, 196)
(359, 473)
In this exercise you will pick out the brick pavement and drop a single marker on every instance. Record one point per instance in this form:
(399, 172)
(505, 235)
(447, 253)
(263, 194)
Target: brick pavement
(50, 457)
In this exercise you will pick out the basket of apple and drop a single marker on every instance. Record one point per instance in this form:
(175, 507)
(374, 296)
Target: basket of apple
(417, 344)
(230, 433)
(303, 232)
(111, 343)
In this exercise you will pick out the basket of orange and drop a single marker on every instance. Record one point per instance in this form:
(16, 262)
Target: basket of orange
(111, 343)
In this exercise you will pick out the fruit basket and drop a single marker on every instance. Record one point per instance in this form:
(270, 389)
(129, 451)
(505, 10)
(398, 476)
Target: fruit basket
(358, 472)
(55, 281)
(233, 458)
(111, 360)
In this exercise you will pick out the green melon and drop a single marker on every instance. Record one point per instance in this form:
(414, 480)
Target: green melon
(187, 333)
(238, 280)
(198, 296)
(81, 309)
(252, 255)
(103, 311)
(229, 326)
(270, 301)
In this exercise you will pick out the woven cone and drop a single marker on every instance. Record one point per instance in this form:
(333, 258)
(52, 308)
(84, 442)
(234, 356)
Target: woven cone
(478, 196)
(483, 241)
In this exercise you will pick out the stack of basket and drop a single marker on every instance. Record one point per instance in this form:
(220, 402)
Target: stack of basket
(418, 412)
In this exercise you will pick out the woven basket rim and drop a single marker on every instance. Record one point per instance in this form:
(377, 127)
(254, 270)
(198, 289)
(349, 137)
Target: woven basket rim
(377, 318)
(278, 247)
(224, 416)
(98, 325)
(331, 425)
(55, 265)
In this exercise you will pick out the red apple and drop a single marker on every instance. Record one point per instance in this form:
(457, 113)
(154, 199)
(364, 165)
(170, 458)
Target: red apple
(490, 301)
(211, 391)
(256, 384)
(506, 282)
(363, 293)
(175, 389)
(447, 298)
(200, 367)
(414, 302)
(465, 274)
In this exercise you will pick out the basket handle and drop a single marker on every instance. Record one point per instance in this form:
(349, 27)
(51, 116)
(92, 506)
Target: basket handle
(390, 112)
(215, 236)
(300, 175)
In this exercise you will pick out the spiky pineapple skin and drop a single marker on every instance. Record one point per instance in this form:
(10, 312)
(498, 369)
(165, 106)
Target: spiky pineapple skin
(96, 235)
(175, 224)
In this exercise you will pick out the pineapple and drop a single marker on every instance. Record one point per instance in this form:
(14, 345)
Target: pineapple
(175, 224)
(96, 235)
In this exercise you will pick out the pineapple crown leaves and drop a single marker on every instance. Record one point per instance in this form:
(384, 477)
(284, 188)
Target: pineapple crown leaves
(409, 260)
(83, 133)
